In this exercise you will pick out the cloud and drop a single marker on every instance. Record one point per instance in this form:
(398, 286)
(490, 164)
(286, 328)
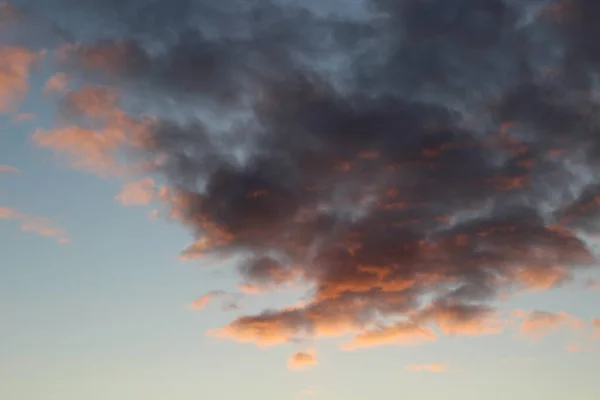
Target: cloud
(34, 224)
(436, 368)
(402, 334)
(87, 149)
(15, 66)
(596, 327)
(536, 324)
(578, 348)
(58, 83)
(139, 193)
(203, 301)
(403, 163)
(302, 360)
(98, 132)
(7, 169)
(307, 392)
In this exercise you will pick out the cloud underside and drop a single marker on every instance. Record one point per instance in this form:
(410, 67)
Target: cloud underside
(410, 163)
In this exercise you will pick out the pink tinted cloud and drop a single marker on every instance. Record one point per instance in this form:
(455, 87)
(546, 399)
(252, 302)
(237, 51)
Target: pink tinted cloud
(436, 368)
(574, 348)
(98, 150)
(8, 169)
(249, 289)
(34, 224)
(596, 327)
(536, 324)
(303, 360)
(15, 67)
(58, 83)
(203, 301)
(307, 392)
(401, 334)
(138, 193)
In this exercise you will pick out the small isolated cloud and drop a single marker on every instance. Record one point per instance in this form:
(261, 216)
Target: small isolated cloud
(15, 66)
(34, 224)
(307, 392)
(426, 368)
(578, 348)
(596, 327)
(536, 324)
(58, 83)
(7, 169)
(303, 360)
(249, 289)
(139, 193)
(202, 302)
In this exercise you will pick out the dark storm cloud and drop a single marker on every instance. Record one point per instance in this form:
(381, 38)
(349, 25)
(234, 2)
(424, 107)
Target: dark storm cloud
(411, 163)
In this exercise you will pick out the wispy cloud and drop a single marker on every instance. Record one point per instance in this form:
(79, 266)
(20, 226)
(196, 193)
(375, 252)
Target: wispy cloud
(203, 301)
(436, 367)
(592, 284)
(401, 334)
(8, 169)
(420, 192)
(536, 324)
(15, 66)
(98, 132)
(34, 224)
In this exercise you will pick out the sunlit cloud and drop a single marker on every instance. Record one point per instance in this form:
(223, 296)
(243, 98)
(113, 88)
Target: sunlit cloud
(596, 327)
(34, 224)
(98, 133)
(536, 324)
(58, 83)
(8, 169)
(139, 193)
(15, 67)
(401, 334)
(307, 392)
(302, 360)
(575, 348)
(87, 149)
(203, 301)
(436, 368)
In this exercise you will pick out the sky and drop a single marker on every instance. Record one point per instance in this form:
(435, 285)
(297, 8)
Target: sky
(328, 200)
